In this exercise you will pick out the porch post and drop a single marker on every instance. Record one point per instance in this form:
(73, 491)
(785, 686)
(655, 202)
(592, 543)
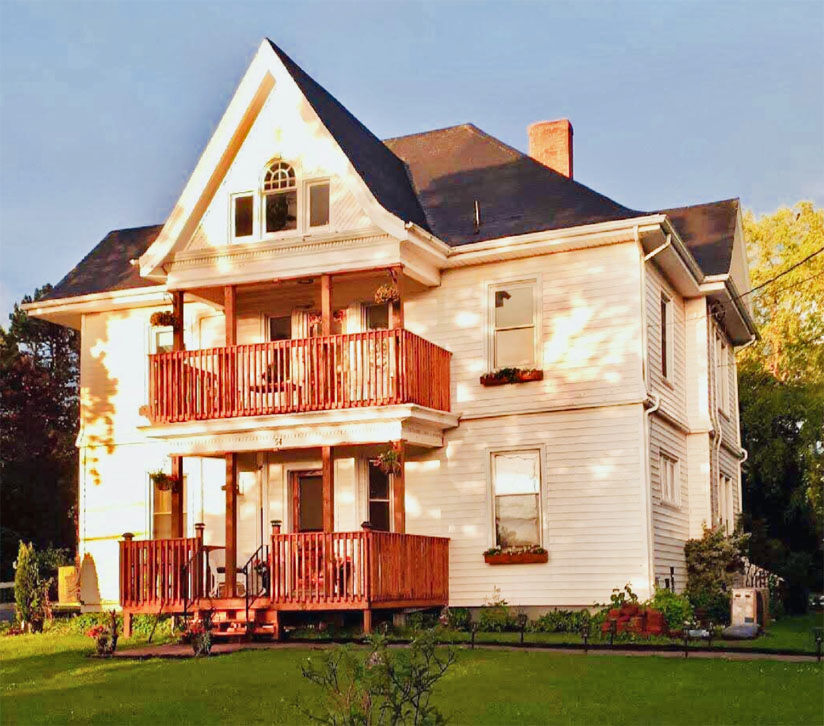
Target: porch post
(326, 304)
(399, 490)
(396, 308)
(328, 489)
(177, 311)
(177, 496)
(231, 524)
(229, 305)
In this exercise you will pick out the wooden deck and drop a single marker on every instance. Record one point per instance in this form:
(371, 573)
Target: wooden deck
(332, 571)
(376, 368)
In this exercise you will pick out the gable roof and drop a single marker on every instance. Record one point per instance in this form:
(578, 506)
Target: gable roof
(108, 266)
(708, 231)
(383, 172)
(455, 166)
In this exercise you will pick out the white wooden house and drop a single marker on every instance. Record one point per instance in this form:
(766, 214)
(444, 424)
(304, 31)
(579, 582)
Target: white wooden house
(290, 367)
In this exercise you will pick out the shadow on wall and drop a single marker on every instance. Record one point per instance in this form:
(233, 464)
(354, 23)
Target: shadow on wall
(89, 585)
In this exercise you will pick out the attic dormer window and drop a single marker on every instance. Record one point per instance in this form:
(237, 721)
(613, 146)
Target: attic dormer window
(280, 198)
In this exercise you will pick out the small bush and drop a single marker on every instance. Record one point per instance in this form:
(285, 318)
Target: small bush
(561, 621)
(712, 606)
(31, 590)
(496, 616)
(676, 608)
(422, 621)
(455, 618)
(385, 687)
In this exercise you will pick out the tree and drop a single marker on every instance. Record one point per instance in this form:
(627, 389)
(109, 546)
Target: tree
(38, 428)
(781, 386)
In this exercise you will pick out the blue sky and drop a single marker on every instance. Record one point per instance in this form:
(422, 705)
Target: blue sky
(105, 107)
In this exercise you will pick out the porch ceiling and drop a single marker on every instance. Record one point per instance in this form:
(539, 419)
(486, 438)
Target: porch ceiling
(416, 425)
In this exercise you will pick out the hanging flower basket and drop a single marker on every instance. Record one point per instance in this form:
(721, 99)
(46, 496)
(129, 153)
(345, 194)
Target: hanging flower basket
(164, 319)
(503, 376)
(163, 481)
(516, 555)
(389, 462)
(386, 294)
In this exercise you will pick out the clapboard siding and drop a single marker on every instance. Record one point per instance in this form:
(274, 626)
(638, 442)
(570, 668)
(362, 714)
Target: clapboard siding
(590, 330)
(592, 505)
(672, 390)
(671, 522)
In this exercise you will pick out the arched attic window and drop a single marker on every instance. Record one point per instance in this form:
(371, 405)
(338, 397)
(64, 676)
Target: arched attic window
(280, 197)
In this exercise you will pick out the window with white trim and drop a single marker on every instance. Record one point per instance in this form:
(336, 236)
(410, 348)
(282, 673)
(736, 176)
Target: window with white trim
(516, 491)
(380, 514)
(163, 340)
(162, 511)
(726, 514)
(243, 215)
(513, 315)
(722, 374)
(666, 336)
(280, 198)
(318, 204)
(670, 480)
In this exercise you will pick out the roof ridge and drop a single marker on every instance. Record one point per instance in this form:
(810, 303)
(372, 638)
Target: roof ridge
(737, 200)
(468, 124)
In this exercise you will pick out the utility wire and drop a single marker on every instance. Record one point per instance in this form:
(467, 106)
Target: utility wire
(781, 274)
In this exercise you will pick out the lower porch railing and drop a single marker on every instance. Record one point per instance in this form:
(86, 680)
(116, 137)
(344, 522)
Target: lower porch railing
(358, 568)
(300, 571)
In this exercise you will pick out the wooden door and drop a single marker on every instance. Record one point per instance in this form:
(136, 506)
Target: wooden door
(307, 501)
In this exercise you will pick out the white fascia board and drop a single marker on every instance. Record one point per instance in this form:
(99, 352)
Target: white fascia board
(68, 311)
(543, 242)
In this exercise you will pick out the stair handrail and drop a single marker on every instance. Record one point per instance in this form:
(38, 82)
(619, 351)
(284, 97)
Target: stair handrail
(256, 569)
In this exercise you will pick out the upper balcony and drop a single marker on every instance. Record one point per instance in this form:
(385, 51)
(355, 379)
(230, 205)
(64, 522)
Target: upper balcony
(374, 368)
(296, 364)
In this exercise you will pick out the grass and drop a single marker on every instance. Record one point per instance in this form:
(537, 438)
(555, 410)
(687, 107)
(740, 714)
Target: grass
(49, 679)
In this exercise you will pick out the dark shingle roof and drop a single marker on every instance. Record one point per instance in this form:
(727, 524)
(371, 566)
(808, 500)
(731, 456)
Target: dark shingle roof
(383, 172)
(455, 166)
(434, 179)
(107, 266)
(708, 231)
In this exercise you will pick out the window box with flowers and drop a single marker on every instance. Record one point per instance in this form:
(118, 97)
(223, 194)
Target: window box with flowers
(526, 555)
(504, 376)
(163, 481)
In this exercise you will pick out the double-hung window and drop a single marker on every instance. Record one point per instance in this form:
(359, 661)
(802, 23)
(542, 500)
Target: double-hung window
(725, 505)
(243, 215)
(162, 511)
(670, 484)
(722, 373)
(379, 505)
(514, 339)
(516, 491)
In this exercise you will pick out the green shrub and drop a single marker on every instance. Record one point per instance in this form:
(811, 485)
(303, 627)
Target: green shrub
(496, 616)
(712, 562)
(31, 590)
(387, 686)
(676, 608)
(561, 621)
(422, 621)
(455, 618)
(141, 624)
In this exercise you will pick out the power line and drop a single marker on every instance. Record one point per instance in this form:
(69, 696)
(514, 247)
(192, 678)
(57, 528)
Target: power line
(781, 274)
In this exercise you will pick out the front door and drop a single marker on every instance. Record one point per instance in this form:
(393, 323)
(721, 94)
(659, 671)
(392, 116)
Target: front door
(307, 501)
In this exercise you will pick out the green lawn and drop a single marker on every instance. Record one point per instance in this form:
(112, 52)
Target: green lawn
(49, 679)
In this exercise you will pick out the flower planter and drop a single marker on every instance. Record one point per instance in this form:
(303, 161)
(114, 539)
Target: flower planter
(516, 558)
(492, 379)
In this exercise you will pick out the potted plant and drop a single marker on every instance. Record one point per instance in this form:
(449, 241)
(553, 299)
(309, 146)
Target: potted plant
(105, 636)
(503, 376)
(386, 294)
(523, 555)
(389, 461)
(163, 481)
(199, 634)
(164, 319)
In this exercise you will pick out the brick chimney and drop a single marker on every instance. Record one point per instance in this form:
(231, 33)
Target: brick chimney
(550, 142)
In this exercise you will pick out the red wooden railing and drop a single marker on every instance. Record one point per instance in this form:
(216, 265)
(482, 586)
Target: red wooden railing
(376, 368)
(154, 573)
(358, 569)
